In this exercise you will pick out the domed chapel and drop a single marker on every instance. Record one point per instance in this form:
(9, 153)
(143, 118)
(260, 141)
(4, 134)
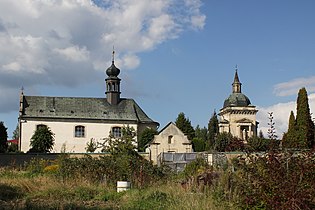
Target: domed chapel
(238, 115)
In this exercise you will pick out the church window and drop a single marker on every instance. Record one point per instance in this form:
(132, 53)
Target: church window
(79, 131)
(40, 126)
(116, 132)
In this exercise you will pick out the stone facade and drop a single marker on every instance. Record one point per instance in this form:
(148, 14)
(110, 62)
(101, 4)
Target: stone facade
(169, 139)
(238, 115)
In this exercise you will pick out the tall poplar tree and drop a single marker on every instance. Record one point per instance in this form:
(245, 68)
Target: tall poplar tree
(184, 125)
(304, 123)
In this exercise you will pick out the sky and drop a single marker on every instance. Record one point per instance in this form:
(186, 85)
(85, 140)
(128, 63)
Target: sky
(174, 55)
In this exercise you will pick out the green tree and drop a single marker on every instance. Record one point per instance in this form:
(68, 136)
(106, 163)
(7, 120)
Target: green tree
(257, 144)
(304, 123)
(42, 140)
(289, 139)
(185, 126)
(145, 137)
(3, 138)
(198, 144)
(91, 145)
(16, 132)
(222, 141)
(201, 133)
(213, 130)
(125, 145)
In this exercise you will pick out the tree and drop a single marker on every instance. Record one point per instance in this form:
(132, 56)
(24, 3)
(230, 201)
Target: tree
(201, 133)
(185, 126)
(3, 138)
(222, 141)
(16, 132)
(91, 145)
(289, 139)
(198, 144)
(145, 137)
(213, 130)
(42, 140)
(125, 145)
(304, 123)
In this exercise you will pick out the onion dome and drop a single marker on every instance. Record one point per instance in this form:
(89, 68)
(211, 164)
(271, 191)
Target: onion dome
(113, 71)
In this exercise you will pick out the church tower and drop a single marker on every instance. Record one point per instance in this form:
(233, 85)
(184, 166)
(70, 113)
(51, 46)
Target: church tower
(238, 115)
(113, 84)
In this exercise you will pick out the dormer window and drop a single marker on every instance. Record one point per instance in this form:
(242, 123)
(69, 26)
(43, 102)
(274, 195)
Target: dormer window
(116, 132)
(79, 131)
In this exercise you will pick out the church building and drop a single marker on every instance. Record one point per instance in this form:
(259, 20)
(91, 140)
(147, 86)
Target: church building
(77, 120)
(238, 115)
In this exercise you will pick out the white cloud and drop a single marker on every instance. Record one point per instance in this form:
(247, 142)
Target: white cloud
(281, 113)
(65, 42)
(292, 87)
(74, 53)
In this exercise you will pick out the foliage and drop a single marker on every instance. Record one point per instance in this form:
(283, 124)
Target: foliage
(235, 144)
(222, 141)
(304, 123)
(16, 132)
(42, 140)
(125, 145)
(300, 134)
(213, 130)
(91, 145)
(145, 137)
(198, 144)
(185, 126)
(3, 138)
(271, 130)
(289, 139)
(258, 144)
(201, 133)
(272, 181)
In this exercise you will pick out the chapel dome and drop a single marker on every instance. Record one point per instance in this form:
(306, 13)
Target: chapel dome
(113, 71)
(237, 99)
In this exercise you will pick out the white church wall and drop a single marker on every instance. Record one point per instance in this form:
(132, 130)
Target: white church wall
(65, 134)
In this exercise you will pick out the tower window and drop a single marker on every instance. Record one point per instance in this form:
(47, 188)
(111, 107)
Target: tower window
(79, 131)
(116, 132)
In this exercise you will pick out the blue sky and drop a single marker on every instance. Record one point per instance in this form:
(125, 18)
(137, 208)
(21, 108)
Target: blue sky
(174, 56)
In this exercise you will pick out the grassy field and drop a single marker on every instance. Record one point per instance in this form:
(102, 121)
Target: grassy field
(22, 190)
(269, 181)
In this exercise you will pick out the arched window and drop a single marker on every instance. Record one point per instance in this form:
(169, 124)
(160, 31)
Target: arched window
(39, 126)
(79, 131)
(116, 132)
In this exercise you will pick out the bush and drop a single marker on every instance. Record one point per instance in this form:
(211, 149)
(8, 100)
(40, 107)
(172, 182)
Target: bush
(273, 181)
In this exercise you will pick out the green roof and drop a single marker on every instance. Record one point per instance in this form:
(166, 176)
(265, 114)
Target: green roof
(74, 108)
(237, 99)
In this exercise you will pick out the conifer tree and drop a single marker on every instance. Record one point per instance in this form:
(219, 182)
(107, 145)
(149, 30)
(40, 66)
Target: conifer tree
(289, 138)
(185, 126)
(213, 130)
(304, 123)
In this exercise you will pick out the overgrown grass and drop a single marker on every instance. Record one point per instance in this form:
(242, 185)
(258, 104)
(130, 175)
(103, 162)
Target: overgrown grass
(271, 181)
(48, 192)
